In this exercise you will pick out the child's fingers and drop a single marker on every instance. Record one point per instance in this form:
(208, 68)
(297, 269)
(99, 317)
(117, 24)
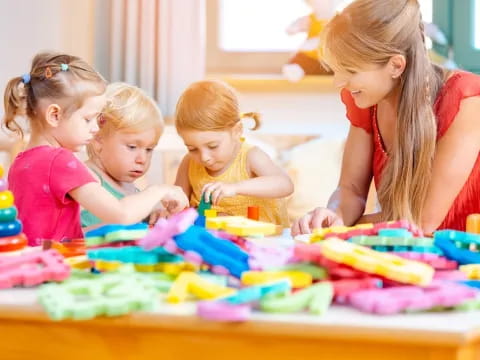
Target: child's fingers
(217, 195)
(208, 189)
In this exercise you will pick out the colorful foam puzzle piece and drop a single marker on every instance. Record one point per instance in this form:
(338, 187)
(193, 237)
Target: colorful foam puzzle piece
(317, 298)
(447, 240)
(241, 226)
(344, 287)
(317, 272)
(449, 275)
(312, 253)
(263, 257)
(298, 279)
(346, 232)
(472, 271)
(254, 293)
(386, 265)
(436, 261)
(165, 229)
(391, 240)
(106, 295)
(411, 298)
(237, 307)
(68, 248)
(191, 283)
(223, 311)
(133, 255)
(198, 246)
(114, 232)
(472, 283)
(32, 269)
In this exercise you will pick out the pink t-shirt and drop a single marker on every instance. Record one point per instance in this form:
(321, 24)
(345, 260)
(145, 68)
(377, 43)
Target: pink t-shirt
(40, 179)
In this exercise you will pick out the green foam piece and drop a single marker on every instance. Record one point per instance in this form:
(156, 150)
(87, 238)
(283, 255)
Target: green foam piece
(124, 235)
(391, 241)
(317, 272)
(202, 206)
(108, 295)
(469, 305)
(317, 298)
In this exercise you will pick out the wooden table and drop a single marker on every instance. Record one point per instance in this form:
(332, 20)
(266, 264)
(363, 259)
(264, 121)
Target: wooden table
(174, 332)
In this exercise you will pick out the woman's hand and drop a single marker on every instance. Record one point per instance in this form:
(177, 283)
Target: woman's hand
(317, 218)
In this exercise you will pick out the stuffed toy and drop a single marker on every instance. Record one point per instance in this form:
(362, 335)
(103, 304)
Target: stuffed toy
(306, 60)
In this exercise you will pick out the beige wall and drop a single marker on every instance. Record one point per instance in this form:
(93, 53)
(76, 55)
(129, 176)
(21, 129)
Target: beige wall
(29, 26)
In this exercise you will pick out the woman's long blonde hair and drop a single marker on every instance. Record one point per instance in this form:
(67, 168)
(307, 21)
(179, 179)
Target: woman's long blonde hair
(210, 105)
(371, 32)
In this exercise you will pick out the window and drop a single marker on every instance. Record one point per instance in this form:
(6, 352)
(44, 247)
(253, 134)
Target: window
(249, 36)
(460, 20)
(476, 22)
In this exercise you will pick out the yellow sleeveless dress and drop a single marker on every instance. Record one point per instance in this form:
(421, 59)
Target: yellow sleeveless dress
(270, 210)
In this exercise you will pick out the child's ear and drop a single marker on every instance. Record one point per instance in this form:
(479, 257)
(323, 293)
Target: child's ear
(53, 115)
(97, 144)
(238, 129)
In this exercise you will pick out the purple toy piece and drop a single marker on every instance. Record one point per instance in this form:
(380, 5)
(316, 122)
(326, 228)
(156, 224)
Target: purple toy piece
(222, 311)
(434, 260)
(412, 298)
(193, 257)
(165, 229)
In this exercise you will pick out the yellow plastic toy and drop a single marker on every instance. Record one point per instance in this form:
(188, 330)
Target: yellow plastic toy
(319, 234)
(191, 283)
(240, 226)
(365, 259)
(472, 271)
(298, 279)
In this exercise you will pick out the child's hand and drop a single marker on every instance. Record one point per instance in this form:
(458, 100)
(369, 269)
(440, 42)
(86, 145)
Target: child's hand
(157, 214)
(216, 191)
(174, 200)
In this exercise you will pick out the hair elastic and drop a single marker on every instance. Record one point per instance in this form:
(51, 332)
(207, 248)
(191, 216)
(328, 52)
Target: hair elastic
(26, 78)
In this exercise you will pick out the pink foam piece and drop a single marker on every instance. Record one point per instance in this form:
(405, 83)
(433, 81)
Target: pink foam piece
(401, 298)
(193, 257)
(32, 269)
(400, 224)
(450, 275)
(222, 311)
(220, 270)
(267, 257)
(165, 229)
(434, 260)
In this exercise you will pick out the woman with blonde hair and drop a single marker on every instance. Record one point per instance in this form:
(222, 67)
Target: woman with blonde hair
(414, 126)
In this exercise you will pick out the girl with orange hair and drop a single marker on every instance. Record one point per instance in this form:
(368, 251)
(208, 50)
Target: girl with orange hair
(219, 165)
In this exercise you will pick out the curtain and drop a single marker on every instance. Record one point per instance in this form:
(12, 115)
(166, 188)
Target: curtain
(157, 45)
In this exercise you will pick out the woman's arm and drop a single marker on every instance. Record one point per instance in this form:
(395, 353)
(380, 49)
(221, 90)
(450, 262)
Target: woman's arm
(455, 157)
(347, 203)
(350, 197)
